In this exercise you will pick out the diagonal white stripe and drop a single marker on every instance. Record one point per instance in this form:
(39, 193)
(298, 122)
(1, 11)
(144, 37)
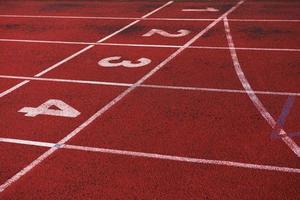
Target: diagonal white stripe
(81, 51)
(28, 168)
(113, 102)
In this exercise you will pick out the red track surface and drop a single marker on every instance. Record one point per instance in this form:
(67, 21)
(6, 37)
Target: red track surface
(16, 57)
(185, 131)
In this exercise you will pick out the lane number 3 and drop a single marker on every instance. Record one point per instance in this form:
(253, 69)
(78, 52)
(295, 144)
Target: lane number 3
(115, 62)
(53, 107)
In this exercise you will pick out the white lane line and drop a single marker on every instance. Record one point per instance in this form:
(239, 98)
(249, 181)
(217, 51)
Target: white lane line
(148, 19)
(66, 80)
(87, 43)
(221, 90)
(148, 45)
(255, 100)
(28, 168)
(83, 50)
(250, 48)
(27, 142)
(200, 47)
(153, 156)
(2, 94)
(69, 17)
(45, 155)
(46, 41)
(264, 20)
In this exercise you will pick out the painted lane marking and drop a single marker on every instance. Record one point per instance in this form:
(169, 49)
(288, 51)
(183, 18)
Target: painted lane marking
(180, 33)
(282, 118)
(208, 9)
(255, 100)
(61, 109)
(223, 90)
(67, 81)
(283, 115)
(148, 45)
(146, 19)
(118, 84)
(111, 62)
(83, 50)
(100, 112)
(8, 91)
(153, 156)
(46, 154)
(27, 142)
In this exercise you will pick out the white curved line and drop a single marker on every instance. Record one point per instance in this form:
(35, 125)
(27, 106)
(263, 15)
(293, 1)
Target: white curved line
(62, 142)
(255, 100)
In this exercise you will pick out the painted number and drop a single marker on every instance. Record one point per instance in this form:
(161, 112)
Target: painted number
(208, 9)
(61, 109)
(113, 62)
(180, 33)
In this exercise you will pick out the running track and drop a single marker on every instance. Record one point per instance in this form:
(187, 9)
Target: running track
(149, 100)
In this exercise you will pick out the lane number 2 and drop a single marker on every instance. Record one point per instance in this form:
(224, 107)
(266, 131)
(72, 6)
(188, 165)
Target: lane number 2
(113, 62)
(53, 107)
(208, 9)
(180, 33)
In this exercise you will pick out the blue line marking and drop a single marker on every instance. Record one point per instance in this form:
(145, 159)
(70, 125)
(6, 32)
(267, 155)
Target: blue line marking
(57, 145)
(282, 118)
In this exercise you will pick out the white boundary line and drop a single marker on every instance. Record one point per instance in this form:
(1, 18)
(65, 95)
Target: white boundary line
(255, 100)
(45, 155)
(83, 50)
(147, 45)
(153, 156)
(66, 80)
(147, 19)
(264, 20)
(221, 90)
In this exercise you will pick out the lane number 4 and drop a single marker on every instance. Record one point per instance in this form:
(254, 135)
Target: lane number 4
(53, 107)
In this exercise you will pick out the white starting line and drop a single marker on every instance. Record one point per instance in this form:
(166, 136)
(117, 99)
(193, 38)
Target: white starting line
(147, 19)
(118, 84)
(153, 155)
(146, 45)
